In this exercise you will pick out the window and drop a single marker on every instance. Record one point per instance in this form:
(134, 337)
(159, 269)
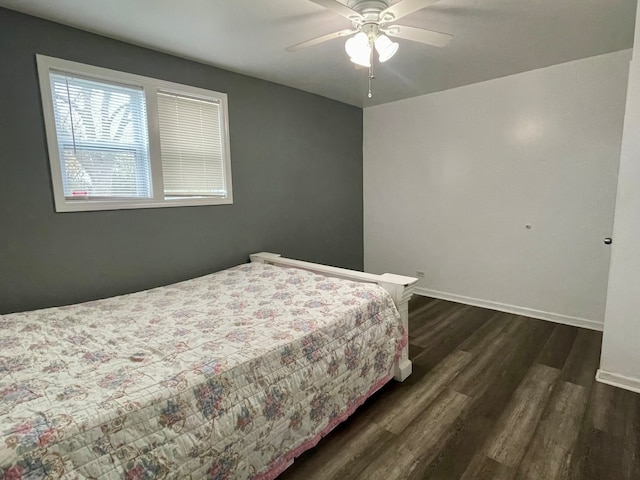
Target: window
(118, 140)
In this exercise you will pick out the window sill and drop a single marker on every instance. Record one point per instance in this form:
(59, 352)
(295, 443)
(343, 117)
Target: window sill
(93, 205)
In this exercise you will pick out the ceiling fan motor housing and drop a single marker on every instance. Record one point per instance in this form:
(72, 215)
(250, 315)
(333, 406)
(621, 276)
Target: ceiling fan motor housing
(369, 9)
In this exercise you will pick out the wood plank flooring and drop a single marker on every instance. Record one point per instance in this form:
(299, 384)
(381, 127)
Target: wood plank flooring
(492, 396)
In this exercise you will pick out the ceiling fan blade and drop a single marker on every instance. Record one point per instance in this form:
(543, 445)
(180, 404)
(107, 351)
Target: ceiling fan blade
(316, 41)
(404, 8)
(339, 8)
(420, 35)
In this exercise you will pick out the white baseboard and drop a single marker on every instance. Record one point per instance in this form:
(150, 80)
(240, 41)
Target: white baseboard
(620, 381)
(503, 307)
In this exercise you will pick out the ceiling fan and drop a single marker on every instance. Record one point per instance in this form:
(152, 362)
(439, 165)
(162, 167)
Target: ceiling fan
(372, 22)
(372, 25)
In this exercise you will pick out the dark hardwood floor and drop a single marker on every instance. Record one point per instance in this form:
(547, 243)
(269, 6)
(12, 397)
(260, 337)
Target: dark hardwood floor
(493, 396)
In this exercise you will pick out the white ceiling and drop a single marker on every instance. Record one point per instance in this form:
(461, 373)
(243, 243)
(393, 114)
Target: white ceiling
(493, 38)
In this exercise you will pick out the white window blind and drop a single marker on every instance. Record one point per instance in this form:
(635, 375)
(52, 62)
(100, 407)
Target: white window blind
(191, 146)
(102, 138)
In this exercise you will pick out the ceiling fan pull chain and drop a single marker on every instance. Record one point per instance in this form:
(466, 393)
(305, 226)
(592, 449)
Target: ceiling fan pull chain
(371, 77)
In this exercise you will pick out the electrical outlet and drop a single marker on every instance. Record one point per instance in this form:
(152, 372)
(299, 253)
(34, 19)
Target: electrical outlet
(420, 274)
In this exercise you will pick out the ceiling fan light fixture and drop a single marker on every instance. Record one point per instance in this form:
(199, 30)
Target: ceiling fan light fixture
(358, 45)
(363, 59)
(385, 48)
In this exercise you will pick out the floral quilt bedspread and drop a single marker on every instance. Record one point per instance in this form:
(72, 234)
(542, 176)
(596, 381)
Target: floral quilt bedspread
(225, 376)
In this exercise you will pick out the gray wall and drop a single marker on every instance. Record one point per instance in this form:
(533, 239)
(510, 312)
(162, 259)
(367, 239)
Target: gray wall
(297, 182)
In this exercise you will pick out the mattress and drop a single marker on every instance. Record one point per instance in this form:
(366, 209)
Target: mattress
(230, 375)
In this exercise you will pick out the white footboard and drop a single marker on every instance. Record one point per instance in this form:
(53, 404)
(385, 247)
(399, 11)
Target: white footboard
(399, 287)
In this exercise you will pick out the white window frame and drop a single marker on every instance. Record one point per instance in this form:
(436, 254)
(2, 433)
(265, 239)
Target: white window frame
(151, 86)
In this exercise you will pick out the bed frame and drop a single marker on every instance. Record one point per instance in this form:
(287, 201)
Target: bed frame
(399, 287)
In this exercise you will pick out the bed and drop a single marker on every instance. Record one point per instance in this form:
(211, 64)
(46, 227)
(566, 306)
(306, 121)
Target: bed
(230, 375)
